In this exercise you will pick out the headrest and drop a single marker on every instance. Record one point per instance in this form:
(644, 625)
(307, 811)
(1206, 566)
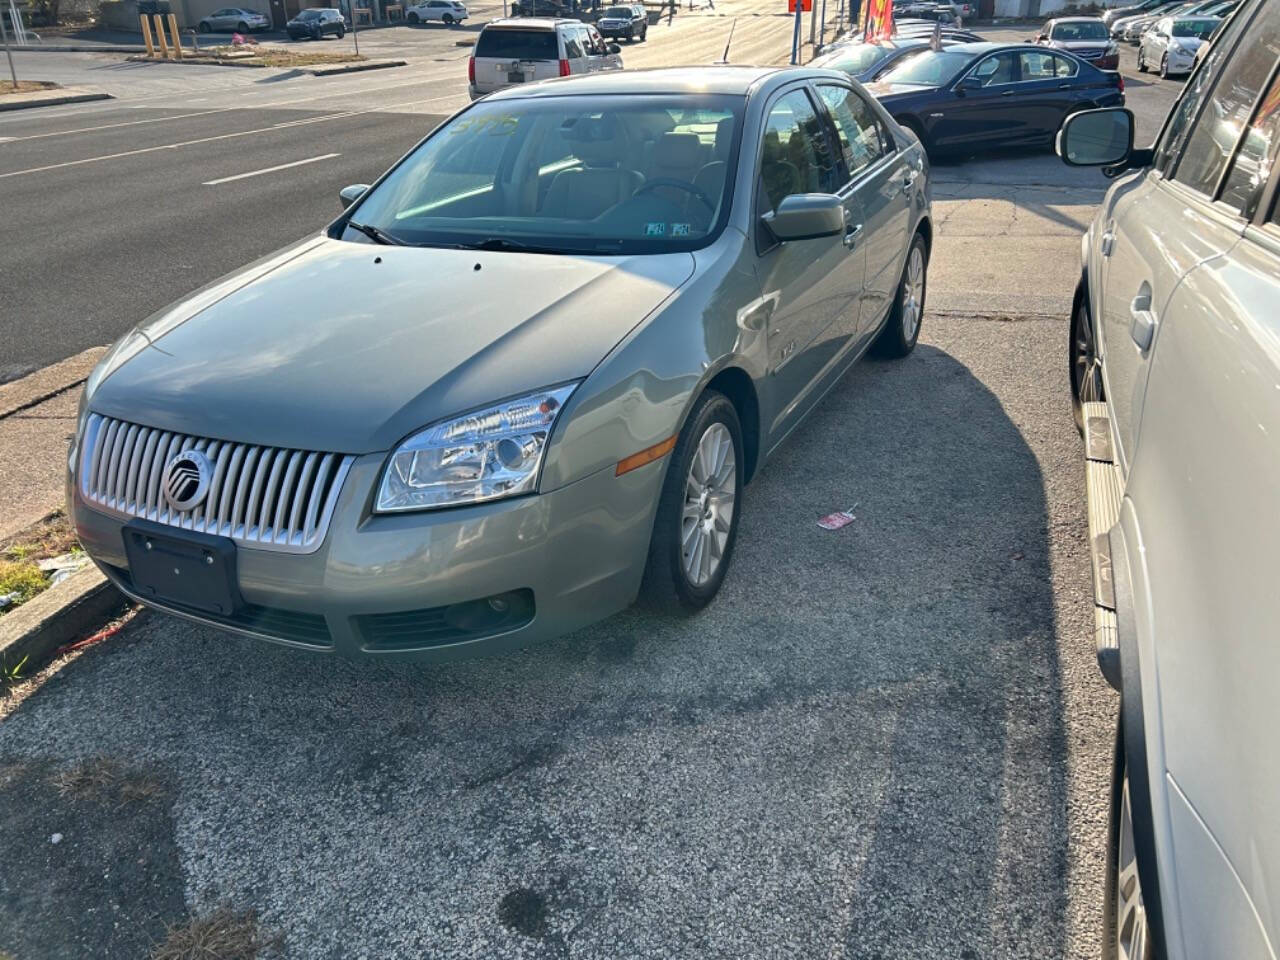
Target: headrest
(724, 138)
(597, 153)
(678, 150)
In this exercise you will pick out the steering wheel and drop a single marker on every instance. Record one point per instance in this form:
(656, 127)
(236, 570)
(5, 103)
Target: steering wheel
(679, 184)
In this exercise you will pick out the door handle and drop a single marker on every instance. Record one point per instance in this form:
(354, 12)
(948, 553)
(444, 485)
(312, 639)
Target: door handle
(908, 182)
(1142, 323)
(1108, 242)
(851, 234)
(1007, 93)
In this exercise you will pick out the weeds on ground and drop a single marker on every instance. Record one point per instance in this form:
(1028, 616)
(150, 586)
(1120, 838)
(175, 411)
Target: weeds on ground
(22, 578)
(225, 934)
(104, 779)
(20, 575)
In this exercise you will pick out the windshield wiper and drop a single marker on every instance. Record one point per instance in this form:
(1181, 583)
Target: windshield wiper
(502, 243)
(376, 235)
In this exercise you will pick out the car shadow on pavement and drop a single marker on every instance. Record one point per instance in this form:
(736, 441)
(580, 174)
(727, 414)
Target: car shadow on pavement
(857, 751)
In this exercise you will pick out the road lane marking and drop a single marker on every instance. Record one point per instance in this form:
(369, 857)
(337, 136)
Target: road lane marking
(280, 166)
(222, 136)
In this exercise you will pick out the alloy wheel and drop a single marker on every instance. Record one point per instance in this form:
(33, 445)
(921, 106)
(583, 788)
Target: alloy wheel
(1133, 941)
(912, 294)
(1085, 367)
(710, 492)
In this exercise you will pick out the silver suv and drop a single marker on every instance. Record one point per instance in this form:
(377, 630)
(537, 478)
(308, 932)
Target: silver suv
(524, 50)
(1175, 371)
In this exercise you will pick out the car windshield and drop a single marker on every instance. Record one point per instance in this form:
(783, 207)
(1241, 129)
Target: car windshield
(1094, 30)
(1200, 29)
(511, 44)
(931, 68)
(617, 12)
(599, 174)
(853, 60)
(309, 15)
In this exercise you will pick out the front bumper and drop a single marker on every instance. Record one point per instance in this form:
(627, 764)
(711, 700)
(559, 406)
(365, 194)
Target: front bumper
(1181, 62)
(615, 31)
(414, 586)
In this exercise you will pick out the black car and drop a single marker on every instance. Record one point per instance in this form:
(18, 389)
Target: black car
(314, 23)
(866, 61)
(540, 8)
(629, 22)
(988, 94)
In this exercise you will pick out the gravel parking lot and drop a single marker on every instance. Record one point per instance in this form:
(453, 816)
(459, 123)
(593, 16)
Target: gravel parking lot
(888, 741)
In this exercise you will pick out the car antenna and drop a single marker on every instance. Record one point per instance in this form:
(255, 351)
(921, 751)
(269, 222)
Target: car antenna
(722, 62)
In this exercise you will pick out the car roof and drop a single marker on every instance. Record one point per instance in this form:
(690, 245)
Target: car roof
(528, 23)
(713, 80)
(1076, 20)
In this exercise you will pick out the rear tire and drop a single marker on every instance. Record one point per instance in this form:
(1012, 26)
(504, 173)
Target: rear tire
(448, 19)
(413, 19)
(696, 523)
(1125, 932)
(902, 329)
(242, 27)
(204, 27)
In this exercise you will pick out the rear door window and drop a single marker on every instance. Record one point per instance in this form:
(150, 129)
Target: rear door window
(1038, 66)
(517, 45)
(1252, 164)
(863, 139)
(572, 44)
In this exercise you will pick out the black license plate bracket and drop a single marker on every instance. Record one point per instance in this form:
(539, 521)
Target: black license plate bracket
(185, 569)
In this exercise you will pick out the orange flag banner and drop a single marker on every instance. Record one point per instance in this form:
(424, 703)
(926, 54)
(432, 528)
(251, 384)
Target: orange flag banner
(879, 20)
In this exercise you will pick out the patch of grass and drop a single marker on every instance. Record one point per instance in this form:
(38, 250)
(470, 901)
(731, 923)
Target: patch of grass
(224, 934)
(106, 780)
(21, 577)
(25, 86)
(20, 572)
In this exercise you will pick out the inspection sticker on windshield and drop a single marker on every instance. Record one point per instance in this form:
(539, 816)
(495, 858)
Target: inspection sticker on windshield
(655, 229)
(841, 518)
(680, 229)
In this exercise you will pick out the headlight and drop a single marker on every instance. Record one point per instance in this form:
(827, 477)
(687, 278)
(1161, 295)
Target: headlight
(1112, 49)
(490, 453)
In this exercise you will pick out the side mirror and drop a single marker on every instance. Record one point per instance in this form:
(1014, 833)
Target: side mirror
(614, 48)
(806, 216)
(1095, 138)
(967, 84)
(349, 195)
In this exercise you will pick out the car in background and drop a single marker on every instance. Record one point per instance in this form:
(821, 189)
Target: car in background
(1173, 370)
(865, 61)
(626, 22)
(237, 19)
(976, 95)
(1164, 8)
(924, 29)
(1115, 13)
(1086, 37)
(447, 12)
(601, 305)
(1173, 43)
(315, 23)
(1135, 28)
(525, 50)
(553, 9)
(927, 12)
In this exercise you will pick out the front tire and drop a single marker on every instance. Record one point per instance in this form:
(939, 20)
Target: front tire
(1086, 367)
(1125, 932)
(448, 19)
(696, 524)
(204, 27)
(902, 329)
(1164, 67)
(342, 32)
(1142, 63)
(413, 19)
(242, 27)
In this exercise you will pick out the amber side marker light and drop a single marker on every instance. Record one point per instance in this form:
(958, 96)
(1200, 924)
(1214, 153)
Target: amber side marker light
(648, 455)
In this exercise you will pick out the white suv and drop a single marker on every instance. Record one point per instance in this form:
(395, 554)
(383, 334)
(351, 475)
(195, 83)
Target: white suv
(1175, 369)
(523, 50)
(447, 12)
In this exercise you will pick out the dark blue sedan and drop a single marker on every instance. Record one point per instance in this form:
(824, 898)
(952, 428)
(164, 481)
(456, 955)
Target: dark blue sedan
(976, 95)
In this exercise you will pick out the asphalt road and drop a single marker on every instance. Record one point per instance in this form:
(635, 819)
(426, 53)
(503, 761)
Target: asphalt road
(888, 741)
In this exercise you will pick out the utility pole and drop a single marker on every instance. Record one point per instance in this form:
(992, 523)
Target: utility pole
(355, 26)
(822, 31)
(813, 22)
(795, 34)
(9, 53)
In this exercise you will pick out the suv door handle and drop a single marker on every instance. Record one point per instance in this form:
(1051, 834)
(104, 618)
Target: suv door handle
(909, 181)
(851, 234)
(1142, 325)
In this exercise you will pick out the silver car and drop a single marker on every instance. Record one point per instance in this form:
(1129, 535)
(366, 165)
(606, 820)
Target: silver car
(522, 379)
(1175, 367)
(236, 19)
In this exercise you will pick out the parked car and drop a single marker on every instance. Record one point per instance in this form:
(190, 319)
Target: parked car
(976, 95)
(236, 19)
(1135, 28)
(926, 30)
(630, 22)
(930, 12)
(524, 50)
(699, 254)
(1119, 25)
(1086, 37)
(315, 22)
(553, 9)
(1173, 368)
(1115, 13)
(1172, 43)
(866, 61)
(447, 12)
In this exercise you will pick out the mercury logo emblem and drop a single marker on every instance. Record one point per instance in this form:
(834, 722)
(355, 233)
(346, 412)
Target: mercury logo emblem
(186, 480)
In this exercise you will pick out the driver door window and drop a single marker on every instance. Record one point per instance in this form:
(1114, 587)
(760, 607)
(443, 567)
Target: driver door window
(795, 155)
(997, 70)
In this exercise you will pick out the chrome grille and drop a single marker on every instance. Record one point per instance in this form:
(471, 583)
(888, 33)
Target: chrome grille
(265, 497)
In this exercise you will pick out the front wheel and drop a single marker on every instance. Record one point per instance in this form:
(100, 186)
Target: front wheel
(204, 27)
(1126, 934)
(1164, 67)
(448, 19)
(697, 517)
(242, 27)
(1142, 63)
(342, 32)
(1086, 367)
(413, 19)
(902, 329)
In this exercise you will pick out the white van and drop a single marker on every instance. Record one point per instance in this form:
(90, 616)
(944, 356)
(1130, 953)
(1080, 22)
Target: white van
(525, 50)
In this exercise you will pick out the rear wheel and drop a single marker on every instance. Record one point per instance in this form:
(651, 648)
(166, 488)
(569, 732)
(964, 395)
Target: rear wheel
(204, 27)
(448, 19)
(1086, 368)
(902, 329)
(413, 19)
(697, 517)
(242, 27)
(1125, 934)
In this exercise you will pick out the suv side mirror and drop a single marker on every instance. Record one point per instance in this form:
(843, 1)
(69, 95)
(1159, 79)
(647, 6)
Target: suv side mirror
(968, 83)
(806, 216)
(349, 195)
(1094, 138)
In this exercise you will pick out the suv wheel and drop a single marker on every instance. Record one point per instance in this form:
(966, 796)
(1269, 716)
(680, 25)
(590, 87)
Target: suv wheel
(1125, 934)
(1086, 368)
(413, 19)
(697, 517)
(448, 19)
(342, 32)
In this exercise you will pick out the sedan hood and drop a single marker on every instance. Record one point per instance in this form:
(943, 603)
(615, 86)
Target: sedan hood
(1073, 45)
(349, 347)
(898, 91)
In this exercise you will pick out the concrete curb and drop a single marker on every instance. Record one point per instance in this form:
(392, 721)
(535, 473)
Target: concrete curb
(191, 60)
(67, 610)
(353, 67)
(52, 380)
(54, 101)
(80, 48)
